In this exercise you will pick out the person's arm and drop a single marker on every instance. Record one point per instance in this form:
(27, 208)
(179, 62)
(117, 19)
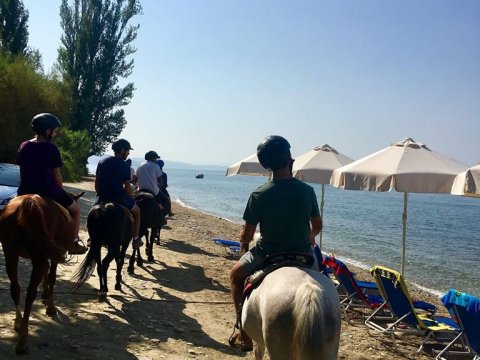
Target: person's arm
(128, 188)
(316, 222)
(58, 176)
(246, 235)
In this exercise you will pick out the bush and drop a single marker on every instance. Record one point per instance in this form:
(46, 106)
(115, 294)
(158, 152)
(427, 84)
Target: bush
(74, 147)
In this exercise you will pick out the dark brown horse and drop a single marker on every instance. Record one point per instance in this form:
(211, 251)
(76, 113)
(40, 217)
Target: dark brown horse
(42, 230)
(108, 224)
(152, 216)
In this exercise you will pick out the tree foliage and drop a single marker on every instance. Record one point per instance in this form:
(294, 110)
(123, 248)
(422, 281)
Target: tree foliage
(73, 146)
(13, 27)
(93, 56)
(24, 93)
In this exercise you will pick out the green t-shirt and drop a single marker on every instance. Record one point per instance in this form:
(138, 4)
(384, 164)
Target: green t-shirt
(283, 209)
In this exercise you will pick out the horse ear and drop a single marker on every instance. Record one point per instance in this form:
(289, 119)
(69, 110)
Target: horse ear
(76, 197)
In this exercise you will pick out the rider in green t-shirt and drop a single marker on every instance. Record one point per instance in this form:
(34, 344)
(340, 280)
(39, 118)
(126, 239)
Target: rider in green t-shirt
(289, 218)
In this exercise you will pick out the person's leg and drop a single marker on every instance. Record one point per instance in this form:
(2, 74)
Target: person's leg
(73, 209)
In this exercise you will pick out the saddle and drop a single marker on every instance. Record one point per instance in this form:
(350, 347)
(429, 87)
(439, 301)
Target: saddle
(274, 262)
(108, 204)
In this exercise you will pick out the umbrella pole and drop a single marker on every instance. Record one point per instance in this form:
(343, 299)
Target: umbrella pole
(404, 220)
(321, 214)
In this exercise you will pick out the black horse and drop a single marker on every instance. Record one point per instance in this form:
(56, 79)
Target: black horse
(108, 224)
(152, 216)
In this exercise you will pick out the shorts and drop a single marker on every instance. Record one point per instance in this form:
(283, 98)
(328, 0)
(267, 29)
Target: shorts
(123, 199)
(253, 260)
(64, 199)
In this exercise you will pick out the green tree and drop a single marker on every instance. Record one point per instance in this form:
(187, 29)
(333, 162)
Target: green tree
(73, 146)
(93, 56)
(13, 27)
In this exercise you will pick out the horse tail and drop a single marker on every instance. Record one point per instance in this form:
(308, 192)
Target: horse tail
(87, 266)
(308, 323)
(34, 230)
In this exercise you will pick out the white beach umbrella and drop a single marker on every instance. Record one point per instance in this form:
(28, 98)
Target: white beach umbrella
(248, 166)
(316, 166)
(406, 166)
(467, 183)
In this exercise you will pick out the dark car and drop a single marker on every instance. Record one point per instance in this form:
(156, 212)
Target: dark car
(9, 183)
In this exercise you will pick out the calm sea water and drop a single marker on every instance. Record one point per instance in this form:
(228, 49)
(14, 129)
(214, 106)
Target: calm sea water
(365, 228)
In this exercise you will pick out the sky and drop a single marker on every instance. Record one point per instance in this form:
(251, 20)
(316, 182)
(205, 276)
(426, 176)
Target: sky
(214, 77)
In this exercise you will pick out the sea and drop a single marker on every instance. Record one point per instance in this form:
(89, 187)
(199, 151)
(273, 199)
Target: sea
(364, 228)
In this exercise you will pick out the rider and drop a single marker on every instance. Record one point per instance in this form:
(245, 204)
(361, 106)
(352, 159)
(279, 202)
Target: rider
(167, 202)
(289, 218)
(40, 163)
(112, 183)
(149, 174)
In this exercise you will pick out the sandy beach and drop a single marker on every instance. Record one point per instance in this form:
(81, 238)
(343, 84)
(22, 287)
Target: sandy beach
(178, 307)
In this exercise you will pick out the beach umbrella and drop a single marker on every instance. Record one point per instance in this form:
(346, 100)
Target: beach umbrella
(467, 183)
(406, 166)
(248, 166)
(316, 166)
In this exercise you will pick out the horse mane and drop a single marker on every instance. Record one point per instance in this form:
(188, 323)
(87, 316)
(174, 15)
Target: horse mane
(34, 229)
(309, 325)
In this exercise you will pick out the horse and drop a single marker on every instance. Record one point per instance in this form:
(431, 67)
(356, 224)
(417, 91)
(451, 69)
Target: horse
(108, 224)
(295, 314)
(152, 217)
(38, 228)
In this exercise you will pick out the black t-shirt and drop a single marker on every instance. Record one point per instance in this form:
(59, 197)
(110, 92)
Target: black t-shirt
(112, 172)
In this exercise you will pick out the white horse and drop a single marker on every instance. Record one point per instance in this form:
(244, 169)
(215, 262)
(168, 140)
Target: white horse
(295, 314)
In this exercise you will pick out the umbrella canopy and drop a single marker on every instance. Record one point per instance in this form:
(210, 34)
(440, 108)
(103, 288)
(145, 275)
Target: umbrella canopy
(248, 166)
(406, 166)
(316, 166)
(467, 183)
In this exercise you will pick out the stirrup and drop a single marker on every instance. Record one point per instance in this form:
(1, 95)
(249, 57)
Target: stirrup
(235, 340)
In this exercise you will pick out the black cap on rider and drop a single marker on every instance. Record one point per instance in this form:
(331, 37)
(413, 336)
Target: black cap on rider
(273, 152)
(152, 156)
(41, 122)
(121, 144)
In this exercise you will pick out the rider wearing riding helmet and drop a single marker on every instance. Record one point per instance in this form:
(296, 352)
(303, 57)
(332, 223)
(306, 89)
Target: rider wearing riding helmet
(287, 211)
(40, 163)
(112, 183)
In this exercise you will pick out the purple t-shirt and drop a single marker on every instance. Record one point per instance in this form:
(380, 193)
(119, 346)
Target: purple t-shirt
(37, 161)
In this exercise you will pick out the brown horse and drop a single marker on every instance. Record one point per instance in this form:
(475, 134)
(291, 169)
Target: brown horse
(108, 224)
(152, 216)
(40, 229)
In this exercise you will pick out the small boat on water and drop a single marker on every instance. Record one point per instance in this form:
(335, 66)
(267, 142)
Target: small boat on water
(199, 176)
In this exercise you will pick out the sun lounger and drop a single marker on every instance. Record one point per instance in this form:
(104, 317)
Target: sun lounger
(409, 320)
(465, 309)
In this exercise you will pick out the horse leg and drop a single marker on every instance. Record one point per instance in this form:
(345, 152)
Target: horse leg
(131, 262)
(149, 246)
(259, 351)
(105, 264)
(139, 256)
(157, 235)
(45, 287)
(11, 263)
(40, 266)
(52, 277)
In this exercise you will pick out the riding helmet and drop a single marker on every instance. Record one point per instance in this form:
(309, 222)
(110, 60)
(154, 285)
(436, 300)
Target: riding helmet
(41, 122)
(121, 144)
(273, 152)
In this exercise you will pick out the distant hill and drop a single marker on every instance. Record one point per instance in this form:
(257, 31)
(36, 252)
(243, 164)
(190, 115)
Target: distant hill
(93, 161)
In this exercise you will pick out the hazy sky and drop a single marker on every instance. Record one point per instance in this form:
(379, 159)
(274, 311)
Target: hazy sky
(214, 77)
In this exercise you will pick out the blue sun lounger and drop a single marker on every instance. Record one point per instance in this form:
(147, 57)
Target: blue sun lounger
(465, 309)
(233, 246)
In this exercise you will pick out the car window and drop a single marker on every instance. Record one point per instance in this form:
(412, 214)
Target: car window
(9, 175)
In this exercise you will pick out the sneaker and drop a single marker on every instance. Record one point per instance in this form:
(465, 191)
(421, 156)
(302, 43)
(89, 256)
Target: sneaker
(137, 243)
(77, 248)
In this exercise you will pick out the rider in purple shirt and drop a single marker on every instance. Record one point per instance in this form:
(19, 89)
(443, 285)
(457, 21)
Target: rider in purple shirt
(40, 163)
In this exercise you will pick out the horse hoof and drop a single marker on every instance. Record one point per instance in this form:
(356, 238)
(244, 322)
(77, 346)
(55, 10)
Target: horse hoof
(139, 262)
(52, 311)
(130, 270)
(102, 297)
(151, 258)
(157, 242)
(21, 348)
(118, 286)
